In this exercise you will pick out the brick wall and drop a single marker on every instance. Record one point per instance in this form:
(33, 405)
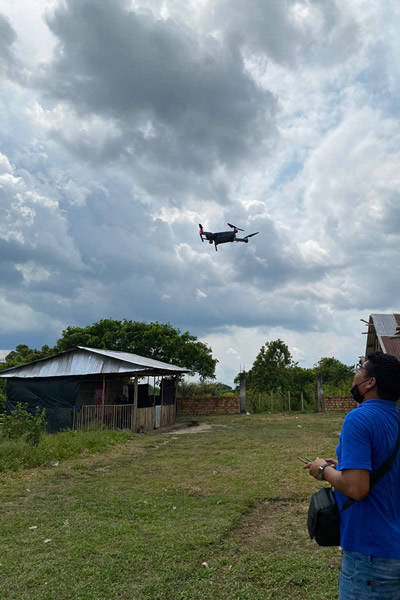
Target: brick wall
(339, 403)
(215, 405)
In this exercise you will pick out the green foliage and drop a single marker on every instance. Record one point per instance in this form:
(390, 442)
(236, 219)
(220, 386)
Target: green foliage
(156, 340)
(204, 389)
(269, 370)
(336, 377)
(18, 454)
(23, 354)
(274, 371)
(20, 424)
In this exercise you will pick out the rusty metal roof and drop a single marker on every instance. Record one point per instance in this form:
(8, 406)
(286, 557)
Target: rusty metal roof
(392, 345)
(81, 361)
(387, 330)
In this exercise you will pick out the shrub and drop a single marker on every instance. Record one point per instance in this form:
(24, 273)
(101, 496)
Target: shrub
(21, 424)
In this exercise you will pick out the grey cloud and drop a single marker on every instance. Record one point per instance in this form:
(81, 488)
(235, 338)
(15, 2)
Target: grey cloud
(326, 35)
(8, 62)
(201, 106)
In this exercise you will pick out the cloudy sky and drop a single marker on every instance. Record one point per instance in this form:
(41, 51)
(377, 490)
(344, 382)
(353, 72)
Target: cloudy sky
(125, 123)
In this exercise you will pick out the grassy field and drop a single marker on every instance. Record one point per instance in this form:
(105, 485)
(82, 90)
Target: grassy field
(17, 454)
(137, 521)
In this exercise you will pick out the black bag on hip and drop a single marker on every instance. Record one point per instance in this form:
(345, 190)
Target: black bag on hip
(323, 520)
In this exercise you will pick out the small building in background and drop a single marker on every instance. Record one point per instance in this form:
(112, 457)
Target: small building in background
(85, 387)
(383, 334)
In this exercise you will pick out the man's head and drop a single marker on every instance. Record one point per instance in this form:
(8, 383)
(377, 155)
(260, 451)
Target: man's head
(378, 377)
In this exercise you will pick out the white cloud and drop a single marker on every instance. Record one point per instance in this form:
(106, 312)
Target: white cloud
(124, 130)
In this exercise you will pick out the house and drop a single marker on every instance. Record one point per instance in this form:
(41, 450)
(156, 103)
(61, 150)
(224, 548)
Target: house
(383, 334)
(84, 386)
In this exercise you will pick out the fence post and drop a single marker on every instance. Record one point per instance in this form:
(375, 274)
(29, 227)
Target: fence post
(272, 401)
(135, 402)
(320, 394)
(289, 401)
(242, 378)
(302, 402)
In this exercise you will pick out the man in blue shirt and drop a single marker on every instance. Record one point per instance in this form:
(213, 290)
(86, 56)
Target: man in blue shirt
(370, 527)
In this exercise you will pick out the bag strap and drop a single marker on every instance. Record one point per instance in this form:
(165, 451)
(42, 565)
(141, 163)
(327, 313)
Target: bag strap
(383, 469)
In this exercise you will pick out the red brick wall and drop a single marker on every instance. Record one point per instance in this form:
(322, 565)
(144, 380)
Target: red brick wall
(339, 403)
(215, 405)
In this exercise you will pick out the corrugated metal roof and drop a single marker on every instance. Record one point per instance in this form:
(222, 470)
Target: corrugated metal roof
(385, 326)
(135, 359)
(82, 361)
(392, 345)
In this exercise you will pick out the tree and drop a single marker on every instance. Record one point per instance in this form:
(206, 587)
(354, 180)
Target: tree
(24, 354)
(269, 370)
(335, 375)
(156, 340)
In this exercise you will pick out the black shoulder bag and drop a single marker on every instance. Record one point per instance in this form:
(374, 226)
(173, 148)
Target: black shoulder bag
(323, 520)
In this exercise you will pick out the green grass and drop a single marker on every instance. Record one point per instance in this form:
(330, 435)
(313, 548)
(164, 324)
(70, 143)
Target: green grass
(138, 520)
(17, 454)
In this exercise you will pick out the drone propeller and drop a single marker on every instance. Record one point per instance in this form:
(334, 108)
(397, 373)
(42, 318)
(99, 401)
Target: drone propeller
(234, 227)
(251, 234)
(201, 232)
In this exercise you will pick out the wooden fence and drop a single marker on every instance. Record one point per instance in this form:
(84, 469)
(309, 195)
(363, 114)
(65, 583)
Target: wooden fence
(121, 416)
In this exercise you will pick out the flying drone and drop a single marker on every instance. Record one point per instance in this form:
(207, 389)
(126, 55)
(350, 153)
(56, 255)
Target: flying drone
(222, 237)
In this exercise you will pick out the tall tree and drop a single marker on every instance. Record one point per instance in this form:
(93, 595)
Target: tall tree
(156, 340)
(269, 370)
(335, 375)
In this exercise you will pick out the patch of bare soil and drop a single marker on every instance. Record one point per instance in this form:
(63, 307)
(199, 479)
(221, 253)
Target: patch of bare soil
(201, 428)
(273, 527)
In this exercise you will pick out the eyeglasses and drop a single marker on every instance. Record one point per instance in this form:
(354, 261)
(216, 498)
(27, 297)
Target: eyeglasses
(359, 367)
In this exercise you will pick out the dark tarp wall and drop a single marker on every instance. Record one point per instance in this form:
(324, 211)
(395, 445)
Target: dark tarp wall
(57, 395)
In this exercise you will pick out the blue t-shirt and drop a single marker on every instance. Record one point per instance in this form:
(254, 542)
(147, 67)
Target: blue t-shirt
(371, 526)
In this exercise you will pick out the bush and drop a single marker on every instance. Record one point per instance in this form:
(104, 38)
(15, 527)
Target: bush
(23, 425)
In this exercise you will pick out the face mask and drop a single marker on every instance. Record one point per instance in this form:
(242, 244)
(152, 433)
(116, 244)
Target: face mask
(355, 392)
(357, 395)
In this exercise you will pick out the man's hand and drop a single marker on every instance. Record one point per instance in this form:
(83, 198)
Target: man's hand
(314, 466)
(353, 483)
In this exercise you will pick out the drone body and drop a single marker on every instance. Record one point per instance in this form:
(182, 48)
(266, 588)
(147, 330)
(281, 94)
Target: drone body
(222, 237)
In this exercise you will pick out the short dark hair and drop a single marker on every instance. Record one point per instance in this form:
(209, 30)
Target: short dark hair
(386, 370)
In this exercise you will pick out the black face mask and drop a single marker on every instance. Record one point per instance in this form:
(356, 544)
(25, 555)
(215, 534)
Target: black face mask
(357, 395)
(355, 392)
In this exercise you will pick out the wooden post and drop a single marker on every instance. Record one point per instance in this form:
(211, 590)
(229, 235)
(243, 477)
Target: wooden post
(289, 406)
(259, 402)
(320, 394)
(242, 378)
(135, 402)
(272, 401)
(103, 398)
(302, 402)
